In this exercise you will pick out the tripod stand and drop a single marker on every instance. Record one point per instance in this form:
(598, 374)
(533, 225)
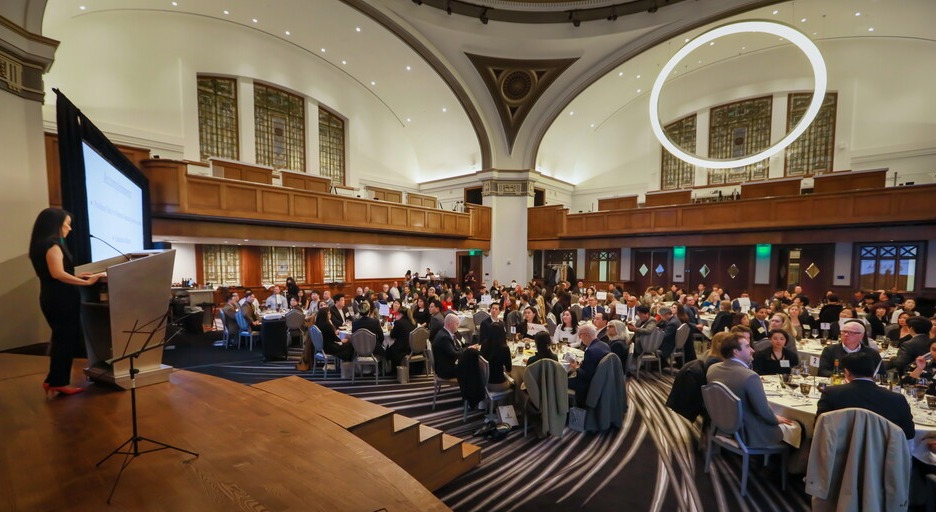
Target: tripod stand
(134, 451)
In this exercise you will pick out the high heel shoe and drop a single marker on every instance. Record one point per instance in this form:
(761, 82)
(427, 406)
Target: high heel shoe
(65, 390)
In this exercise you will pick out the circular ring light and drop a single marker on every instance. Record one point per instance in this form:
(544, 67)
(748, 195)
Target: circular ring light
(794, 36)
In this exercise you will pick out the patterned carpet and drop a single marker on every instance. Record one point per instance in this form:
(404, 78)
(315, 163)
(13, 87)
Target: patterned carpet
(652, 463)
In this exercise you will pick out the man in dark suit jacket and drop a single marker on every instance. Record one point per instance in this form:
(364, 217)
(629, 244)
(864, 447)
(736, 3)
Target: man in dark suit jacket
(445, 351)
(760, 326)
(863, 393)
(595, 350)
(641, 326)
(484, 330)
(916, 346)
(759, 425)
(600, 320)
(670, 324)
(338, 312)
(588, 312)
(852, 335)
(436, 319)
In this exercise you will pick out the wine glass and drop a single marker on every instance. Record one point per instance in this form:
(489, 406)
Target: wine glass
(805, 388)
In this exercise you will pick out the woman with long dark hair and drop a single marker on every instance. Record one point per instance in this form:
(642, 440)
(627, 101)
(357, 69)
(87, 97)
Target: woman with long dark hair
(59, 298)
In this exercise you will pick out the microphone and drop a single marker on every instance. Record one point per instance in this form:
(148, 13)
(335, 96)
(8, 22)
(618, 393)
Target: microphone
(111, 246)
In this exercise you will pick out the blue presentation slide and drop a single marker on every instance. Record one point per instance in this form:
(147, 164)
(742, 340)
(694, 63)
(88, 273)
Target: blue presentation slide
(115, 207)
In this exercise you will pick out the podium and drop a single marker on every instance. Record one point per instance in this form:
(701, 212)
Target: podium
(138, 295)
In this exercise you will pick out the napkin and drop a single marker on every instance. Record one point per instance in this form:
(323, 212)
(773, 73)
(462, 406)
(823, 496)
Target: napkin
(792, 434)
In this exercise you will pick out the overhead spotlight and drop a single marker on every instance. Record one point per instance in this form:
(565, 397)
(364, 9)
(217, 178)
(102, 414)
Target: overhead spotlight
(614, 14)
(653, 8)
(484, 19)
(575, 21)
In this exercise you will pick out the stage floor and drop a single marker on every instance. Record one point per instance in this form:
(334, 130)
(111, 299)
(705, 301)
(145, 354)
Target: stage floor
(254, 454)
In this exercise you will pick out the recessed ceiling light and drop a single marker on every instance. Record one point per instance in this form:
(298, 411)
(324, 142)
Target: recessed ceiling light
(408, 120)
(802, 20)
(82, 7)
(870, 29)
(254, 20)
(744, 47)
(687, 39)
(323, 50)
(246, 240)
(638, 76)
(638, 90)
(444, 109)
(572, 113)
(344, 63)
(775, 12)
(373, 82)
(700, 61)
(226, 12)
(621, 73)
(857, 14)
(287, 33)
(357, 29)
(592, 125)
(175, 4)
(712, 43)
(408, 68)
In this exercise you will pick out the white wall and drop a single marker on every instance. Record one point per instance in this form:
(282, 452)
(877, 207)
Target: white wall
(508, 258)
(23, 195)
(184, 262)
(378, 264)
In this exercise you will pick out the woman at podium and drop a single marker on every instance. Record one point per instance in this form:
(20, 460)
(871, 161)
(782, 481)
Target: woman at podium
(58, 295)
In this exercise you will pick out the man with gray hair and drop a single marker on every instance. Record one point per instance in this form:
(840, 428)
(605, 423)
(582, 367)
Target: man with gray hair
(445, 350)
(595, 350)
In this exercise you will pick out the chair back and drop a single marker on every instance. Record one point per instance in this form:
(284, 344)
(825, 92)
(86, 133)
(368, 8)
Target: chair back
(651, 342)
(577, 308)
(891, 328)
(241, 321)
(682, 334)
(481, 316)
(485, 369)
(724, 408)
(550, 324)
(224, 323)
(761, 344)
(294, 319)
(318, 342)
(512, 320)
(419, 340)
(363, 342)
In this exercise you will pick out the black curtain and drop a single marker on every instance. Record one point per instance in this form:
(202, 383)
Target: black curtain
(71, 165)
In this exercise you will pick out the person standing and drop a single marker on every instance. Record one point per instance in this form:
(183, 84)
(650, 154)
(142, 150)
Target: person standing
(59, 298)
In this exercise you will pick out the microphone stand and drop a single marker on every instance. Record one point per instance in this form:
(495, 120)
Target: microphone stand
(134, 450)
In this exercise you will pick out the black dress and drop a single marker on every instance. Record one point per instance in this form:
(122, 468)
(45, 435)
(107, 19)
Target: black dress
(765, 364)
(61, 305)
(400, 334)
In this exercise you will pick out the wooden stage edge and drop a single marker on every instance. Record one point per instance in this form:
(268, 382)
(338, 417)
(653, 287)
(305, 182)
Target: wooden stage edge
(254, 453)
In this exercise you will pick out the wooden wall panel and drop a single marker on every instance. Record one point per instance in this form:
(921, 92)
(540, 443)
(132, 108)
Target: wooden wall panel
(241, 171)
(332, 209)
(417, 218)
(380, 214)
(398, 216)
(618, 203)
(241, 199)
(434, 220)
(449, 224)
(650, 258)
(668, 198)
(304, 181)
(306, 206)
(666, 219)
(838, 182)
(204, 195)
(356, 212)
(274, 202)
(771, 188)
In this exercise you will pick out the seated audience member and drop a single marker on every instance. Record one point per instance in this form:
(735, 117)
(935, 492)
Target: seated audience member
(722, 321)
(369, 321)
(797, 324)
(743, 304)
(436, 318)
(277, 301)
(600, 320)
(230, 309)
(617, 339)
(760, 427)
(776, 358)
(467, 301)
(900, 335)
(484, 330)
(670, 324)
(916, 346)
(589, 311)
(402, 327)
(829, 312)
(714, 354)
(878, 319)
(498, 358)
(782, 321)
(923, 367)
(445, 350)
(333, 344)
(759, 324)
(860, 391)
(339, 311)
(542, 341)
(529, 317)
(567, 330)
(642, 326)
(250, 297)
(251, 314)
(907, 307)
(595, 350)
(421, 314)
(844, 315)
(852, 334)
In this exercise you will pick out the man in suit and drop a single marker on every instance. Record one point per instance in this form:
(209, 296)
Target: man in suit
(670, 324)
(484, 330)
(595, 350)
(277, 301)
(760, 326)
(829, 313)
(743, 303)
(436, 319)
(759, 425)
(338, 312)
(641, 326)
(861, 392)
(601, 324)
(588, 312)
(630, 309)
(444, 349)
(852, 335)
(916, 346)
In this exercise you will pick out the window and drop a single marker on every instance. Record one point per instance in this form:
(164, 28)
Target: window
(675, 173)
(217, 117)
(331, 146)
(602, 264)
(884, 266)
(812, 152)
(278, 263)
(334, 266)
(221, 264)
(737, 130)
(279, 119)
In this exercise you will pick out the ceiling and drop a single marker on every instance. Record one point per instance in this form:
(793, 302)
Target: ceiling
(413, 58)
